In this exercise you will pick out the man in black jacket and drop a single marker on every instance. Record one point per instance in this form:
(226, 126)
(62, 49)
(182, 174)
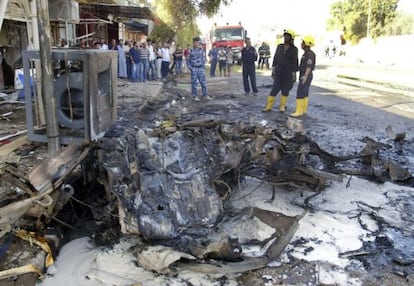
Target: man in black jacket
(284, 68)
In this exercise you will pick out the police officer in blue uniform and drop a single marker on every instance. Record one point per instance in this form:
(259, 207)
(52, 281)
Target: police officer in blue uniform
(196, 61)
(306, 67)
(248, 58)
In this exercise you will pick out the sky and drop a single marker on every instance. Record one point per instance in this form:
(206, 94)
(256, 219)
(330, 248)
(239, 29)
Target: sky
(406, 6)
(303, 16)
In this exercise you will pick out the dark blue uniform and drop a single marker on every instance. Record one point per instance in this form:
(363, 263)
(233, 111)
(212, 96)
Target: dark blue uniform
(307, 61)
(196, 64)
(248, 57)
(213, 54)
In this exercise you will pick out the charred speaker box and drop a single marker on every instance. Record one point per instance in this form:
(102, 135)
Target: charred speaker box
(84, 90)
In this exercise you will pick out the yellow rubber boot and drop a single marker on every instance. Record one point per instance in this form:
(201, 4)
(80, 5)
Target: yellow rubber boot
(305, 106)
(300, 104)
(283, 102)
(269, 104)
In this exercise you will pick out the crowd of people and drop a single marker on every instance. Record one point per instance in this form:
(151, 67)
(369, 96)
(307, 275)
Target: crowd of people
(144, 61)
(141, 61)
(223, 56)
(151, 60)
(148, 60)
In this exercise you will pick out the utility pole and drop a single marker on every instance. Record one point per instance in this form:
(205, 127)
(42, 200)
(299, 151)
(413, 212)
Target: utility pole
(369, 18)
(47, 96)
(33, 33)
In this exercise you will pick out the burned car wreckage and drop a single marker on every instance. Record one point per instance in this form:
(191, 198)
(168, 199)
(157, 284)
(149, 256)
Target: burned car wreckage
(174, 183)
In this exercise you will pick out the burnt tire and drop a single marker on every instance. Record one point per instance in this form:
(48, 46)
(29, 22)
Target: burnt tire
(68, 90)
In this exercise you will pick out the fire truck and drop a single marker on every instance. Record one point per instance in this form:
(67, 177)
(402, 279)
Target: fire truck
(233, 36)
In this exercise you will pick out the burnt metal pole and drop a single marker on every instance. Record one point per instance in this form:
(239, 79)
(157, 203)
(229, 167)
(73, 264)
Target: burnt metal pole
(49, 101)
(34, 39)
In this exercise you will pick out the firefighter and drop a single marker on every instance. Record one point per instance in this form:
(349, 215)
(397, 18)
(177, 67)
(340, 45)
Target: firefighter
(284, 68)
(264, 55)
(307, 65)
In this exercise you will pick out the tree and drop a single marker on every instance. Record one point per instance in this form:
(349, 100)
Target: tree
(180, 16)
(362, 18)
(402, 25)
(162, 33)
(187, 10)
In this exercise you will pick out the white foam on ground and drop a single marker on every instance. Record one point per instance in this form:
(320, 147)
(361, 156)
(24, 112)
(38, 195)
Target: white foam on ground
(331, 227)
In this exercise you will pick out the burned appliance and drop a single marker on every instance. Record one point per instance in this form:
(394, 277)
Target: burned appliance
(84, 90)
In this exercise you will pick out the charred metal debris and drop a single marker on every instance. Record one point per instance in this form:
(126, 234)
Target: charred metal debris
(172, 184)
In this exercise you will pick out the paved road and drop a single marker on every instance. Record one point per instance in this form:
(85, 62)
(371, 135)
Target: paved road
(372, 75)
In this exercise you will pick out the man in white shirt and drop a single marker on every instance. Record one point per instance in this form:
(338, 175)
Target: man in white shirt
(152, 73)
(104, 46)
(158, 61)
(166, 58)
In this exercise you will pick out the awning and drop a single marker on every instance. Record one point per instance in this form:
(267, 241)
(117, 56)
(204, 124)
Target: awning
(117, 11)
(15, 10)
(136, 26)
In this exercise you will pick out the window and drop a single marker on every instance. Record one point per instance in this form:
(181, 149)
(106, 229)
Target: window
(228, 34)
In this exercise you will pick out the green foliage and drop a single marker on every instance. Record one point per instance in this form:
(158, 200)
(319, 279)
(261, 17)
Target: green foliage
(179, 12)
(351, 16)
(186, 34)
(162, 33)
(180, 16)
(402, 25)
(211, 7)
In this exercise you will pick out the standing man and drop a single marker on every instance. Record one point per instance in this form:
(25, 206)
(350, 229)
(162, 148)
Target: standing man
(143, 62)
(248, 57)
(134, 57)
(222, 57)
(113, 46)
(122, 67)
(307, 65)
(213, 55)
(104, 45)
(229, 60)
(262, 51)
(178, 60)
(264, 55)
(284, 68)
(196, 64)
(158, 60)
(186, 51)
(165, 60)
(151, 75)
(127, 47)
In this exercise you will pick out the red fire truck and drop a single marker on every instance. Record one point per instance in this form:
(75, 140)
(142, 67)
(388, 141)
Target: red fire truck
(233, 36)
